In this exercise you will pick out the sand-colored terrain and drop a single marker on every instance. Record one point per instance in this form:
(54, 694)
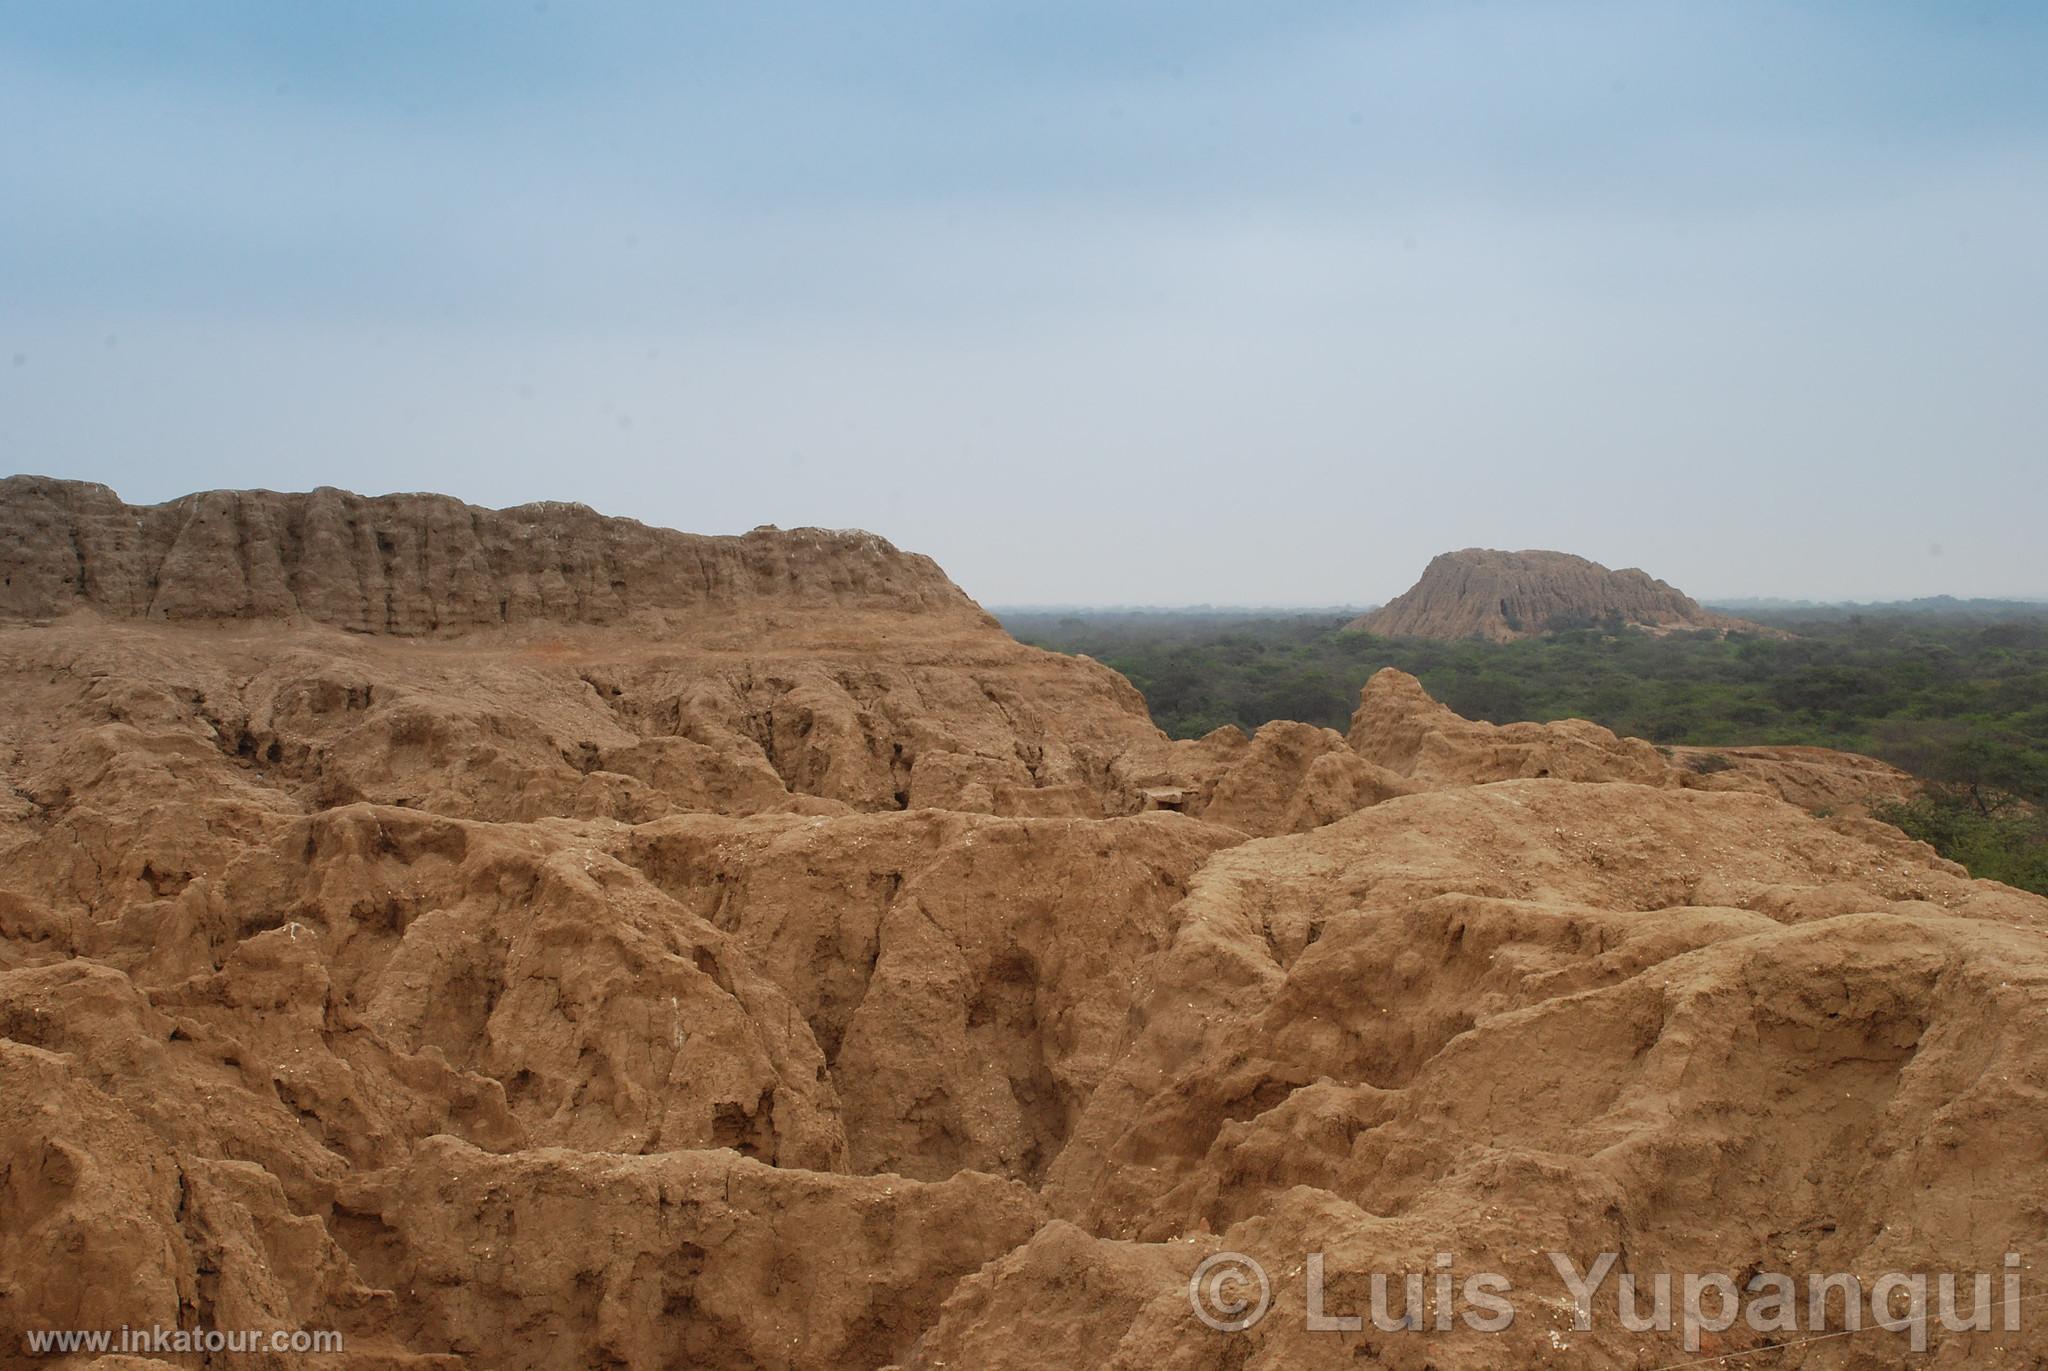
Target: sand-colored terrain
(524, 939)
(1501, 596)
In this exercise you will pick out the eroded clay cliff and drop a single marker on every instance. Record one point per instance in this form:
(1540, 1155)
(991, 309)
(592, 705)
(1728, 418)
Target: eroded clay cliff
(417, 564)
(815, 983)
(1501, 596)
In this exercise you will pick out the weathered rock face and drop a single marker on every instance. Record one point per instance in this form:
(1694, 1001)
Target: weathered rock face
(420, 564)
(1817, 779)
(1425, 746)
(540, 661)
(1294, 777)
(799, 988)
(1501, 596)
(1398, 726)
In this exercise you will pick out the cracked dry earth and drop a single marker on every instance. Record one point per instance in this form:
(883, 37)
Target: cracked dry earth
(525, 939)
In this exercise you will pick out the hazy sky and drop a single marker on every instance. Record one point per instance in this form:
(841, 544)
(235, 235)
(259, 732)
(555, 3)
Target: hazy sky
(1094, 302)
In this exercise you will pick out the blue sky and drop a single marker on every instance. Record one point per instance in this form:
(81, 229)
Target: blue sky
(1108, 302)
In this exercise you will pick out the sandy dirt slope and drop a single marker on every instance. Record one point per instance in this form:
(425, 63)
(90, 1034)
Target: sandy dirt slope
(1501, 596)
(805, 976)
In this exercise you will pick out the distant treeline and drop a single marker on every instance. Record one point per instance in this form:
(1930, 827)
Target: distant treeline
(1955, 693)
(1790, 613)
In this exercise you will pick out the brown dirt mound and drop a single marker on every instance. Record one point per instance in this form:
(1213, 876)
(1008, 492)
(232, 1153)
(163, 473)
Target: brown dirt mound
(418, 564)
(1814, 778)
(1501, 596)
(804, 985)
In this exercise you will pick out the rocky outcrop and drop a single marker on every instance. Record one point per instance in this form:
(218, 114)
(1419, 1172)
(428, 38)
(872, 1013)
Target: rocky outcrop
(799, 987)
(1501, 596)
(1702, 1030)
(1818, 779)
(510, 665)
(421, 564)
(689, 1258)
(1398, 726)
(1426, 745)
(1293, 777)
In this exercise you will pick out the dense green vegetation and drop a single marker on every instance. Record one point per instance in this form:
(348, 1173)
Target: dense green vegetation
(1960, 698)
(2002, 839)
